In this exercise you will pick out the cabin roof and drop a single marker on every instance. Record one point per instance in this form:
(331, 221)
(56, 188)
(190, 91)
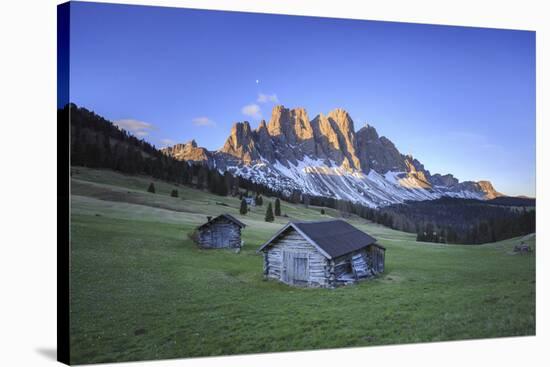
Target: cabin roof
(332, 238)
(226, 216)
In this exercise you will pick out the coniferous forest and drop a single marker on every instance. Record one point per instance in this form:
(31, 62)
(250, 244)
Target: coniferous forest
(448, 220)
(98, 143)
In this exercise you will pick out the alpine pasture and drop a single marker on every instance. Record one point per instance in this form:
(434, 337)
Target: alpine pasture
(141, 289)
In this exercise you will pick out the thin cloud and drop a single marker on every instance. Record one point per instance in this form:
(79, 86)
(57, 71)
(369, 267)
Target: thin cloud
(264, 98)
(136, 127)
(203, 121)
(252, 110)
(167, 142)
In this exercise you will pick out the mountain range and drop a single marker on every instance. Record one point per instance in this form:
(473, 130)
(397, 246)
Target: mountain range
(327, 157)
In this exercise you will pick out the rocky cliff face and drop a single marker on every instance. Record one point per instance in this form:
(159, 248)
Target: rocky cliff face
(189, 152)
(378, 153)
(241, 143)
(327, 157)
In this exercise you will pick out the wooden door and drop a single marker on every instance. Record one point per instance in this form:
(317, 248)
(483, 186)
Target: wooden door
(300, 269)
(217, 238)
(296, 267)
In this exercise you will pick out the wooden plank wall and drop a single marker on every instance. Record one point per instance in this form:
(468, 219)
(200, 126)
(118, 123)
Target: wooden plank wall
(342, 264)
(279, 260)
(221, 233)
(375, 258)
(280, 264)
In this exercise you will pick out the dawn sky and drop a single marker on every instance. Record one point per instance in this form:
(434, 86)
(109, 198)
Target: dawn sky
(461, 100)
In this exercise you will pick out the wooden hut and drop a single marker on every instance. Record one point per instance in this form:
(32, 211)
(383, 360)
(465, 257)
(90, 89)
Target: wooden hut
(321, 254)
(223, 231)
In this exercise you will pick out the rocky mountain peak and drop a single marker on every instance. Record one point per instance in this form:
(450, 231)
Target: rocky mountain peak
(262, 126)
(290, 125)
(189, 151)
(342, 120)
(240, 143)
(379, 153)
(488, 189)
(280, 119)
(368, 133)
(326, 156)
(447, 180)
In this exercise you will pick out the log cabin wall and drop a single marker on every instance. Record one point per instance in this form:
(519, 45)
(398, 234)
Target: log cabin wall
(377, 258)
(342, 264)
(293, 260)
(220, 233)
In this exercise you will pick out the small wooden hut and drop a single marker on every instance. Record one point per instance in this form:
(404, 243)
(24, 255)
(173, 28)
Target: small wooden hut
(321, 254)
(223, 231)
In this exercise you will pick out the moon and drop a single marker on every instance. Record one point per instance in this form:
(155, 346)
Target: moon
(257, 81)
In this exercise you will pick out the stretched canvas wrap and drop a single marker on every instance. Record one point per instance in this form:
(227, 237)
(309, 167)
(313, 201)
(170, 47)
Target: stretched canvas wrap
(234, 183)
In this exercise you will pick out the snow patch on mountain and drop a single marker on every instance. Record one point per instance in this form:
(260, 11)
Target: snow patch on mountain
(321, 178)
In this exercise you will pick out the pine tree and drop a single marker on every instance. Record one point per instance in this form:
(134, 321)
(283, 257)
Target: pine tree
(278, 207)
(151, 188)
(323, 211)
(244, 208)
(429, 233)
(269, 213)
(202, 177)
(174, 193)
(228, 182)
(442, 236)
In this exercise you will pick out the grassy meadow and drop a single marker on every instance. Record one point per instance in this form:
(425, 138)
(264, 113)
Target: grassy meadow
(141, 290)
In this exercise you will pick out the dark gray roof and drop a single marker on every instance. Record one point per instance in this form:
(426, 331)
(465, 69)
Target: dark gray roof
(333, 238)
(228, 217)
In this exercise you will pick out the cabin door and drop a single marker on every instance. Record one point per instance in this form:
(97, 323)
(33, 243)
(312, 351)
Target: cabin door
(296, 267)
(217, 238)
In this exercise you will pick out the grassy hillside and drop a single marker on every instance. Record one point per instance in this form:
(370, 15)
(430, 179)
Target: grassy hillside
(142, 290)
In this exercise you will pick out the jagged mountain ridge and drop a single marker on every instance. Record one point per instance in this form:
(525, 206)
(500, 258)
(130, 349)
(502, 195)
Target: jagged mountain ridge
(325, 156)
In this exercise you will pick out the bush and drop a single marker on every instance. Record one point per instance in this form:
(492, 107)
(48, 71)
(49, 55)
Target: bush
(174, 193)
(151, 188)
(194, 236)
(269, 214)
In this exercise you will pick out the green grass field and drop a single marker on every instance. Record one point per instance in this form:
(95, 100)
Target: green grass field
(140, 289)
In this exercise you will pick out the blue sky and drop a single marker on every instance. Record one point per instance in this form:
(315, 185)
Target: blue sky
(460, 99)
